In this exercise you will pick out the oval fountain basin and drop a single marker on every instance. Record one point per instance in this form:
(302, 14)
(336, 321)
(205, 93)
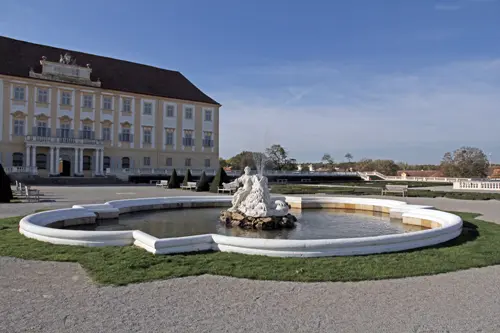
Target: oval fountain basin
(311, 224)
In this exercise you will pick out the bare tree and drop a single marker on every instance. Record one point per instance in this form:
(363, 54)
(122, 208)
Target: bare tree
(465, 162)
(349, 157)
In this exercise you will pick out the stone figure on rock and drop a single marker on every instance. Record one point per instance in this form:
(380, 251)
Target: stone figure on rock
(252, 207)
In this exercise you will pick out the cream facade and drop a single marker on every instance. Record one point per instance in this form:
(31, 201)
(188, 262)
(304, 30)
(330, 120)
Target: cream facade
(56, 127)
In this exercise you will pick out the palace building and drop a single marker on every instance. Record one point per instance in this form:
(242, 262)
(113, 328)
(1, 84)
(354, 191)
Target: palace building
(68, 113)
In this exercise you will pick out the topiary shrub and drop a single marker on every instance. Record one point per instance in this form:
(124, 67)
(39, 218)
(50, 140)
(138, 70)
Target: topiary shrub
(173, 182)
(187, 178)
(202, 185)
(220, 177)
(5, 190)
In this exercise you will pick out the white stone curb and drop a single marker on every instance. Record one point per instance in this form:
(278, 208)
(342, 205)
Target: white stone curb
(444, 226)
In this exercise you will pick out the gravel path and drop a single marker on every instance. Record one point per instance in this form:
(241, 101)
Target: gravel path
(58, 297)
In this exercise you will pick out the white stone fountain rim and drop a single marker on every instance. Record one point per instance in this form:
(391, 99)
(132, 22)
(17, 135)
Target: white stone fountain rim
(36, 226)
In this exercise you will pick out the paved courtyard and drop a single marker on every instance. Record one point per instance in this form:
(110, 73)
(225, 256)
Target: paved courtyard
(59, 297)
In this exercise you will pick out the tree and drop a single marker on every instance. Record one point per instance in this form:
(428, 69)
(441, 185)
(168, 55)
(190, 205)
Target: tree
(223, 163)
(386, 167)
(187, 178)
(349, 157)
(327, 158)
(278, 156)
(465, 162)
(173, 182)
(5, 190)
(202, 185)
(241, 160)
(220, 177)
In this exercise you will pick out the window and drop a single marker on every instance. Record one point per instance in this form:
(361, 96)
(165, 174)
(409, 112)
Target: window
(87, 132)
(125, 162)
(146, 135)
(125, 136)
(17, 159)
(64, 131)
(43, 96)
(169, 140)
(207, 163)
(18, 127)
(147, 161)
(188, 114)
(187, 162)
(127, 102)
(41, 161)
(106, 134)
(148, 108)
(42, 129)
(106, 103)
(87, 162)
(207, 139)
(188, 140)
(106, 162)
(170, 111)
(19, 93)
(168, 162)
(66, 98)
(208, 115)
(87, 101)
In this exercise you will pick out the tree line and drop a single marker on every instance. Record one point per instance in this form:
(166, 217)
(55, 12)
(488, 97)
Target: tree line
(467, 162)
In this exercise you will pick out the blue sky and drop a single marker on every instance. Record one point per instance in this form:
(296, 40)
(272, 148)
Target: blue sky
(400, 79)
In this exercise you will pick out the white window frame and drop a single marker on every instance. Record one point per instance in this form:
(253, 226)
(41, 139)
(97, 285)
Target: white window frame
(106, 134)
(170, 107)
(188, 111)
(105, 101)
(207, 163)
(19, 127)
(210, 114)
(187, 162)
(65, 98)
(148, 159)
(146, 106)
(88, 101)
(147, 133)
(171, 143)
(19, 93)
(64, 130)
(128, 102)
(42, 95)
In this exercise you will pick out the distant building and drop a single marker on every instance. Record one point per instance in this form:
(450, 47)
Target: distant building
(76, 114)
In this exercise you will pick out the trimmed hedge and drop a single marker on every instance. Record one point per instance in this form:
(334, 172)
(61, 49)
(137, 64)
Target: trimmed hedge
(220, 177)
(173, 182)
(203, 185)
(5, 190)
(187, 178)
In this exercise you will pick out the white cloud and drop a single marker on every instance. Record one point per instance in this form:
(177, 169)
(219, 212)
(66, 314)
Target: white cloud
(442, 106)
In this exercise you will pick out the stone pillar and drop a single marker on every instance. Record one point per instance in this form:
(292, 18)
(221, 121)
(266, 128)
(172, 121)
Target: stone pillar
(51, 161)
(27, 157)
(56, 171)
(96, 162)
(81, 161)
(33, 156)
(76, 161)
(101, 163)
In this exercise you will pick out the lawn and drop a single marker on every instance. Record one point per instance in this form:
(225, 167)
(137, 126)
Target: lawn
(354, 190)
(479, 245)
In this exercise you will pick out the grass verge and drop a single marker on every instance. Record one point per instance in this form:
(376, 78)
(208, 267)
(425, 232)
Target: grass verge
(301, 189)
(478, 245)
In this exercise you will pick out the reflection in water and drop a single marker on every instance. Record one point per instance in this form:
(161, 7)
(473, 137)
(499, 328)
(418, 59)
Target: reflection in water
(312, 224)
